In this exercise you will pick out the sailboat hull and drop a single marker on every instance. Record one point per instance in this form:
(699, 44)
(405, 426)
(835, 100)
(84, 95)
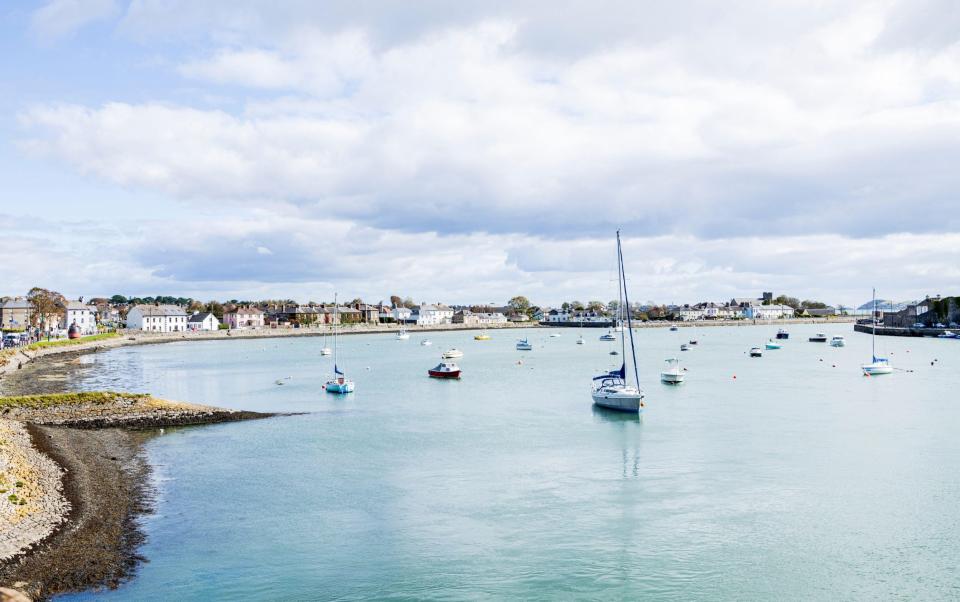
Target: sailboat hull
(876, 369)
(619, 399)
(339, 388)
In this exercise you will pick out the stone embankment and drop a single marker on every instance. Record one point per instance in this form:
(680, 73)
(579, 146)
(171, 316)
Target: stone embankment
(32, 503)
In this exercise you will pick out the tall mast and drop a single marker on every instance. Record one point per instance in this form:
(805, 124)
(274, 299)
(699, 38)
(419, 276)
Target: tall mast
(626, 299)
(336, 323)
(873, 323)
(623, 339)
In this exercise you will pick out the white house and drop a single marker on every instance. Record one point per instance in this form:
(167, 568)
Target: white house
(688, 314)
(157, 318)
(431, 315)
(81, 314)
(768, 312)
(203, 321)
(401, 314)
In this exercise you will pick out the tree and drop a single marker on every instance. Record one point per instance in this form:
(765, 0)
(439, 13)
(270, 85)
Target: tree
(595, 306)
(357, 301)
(395, 301)
(47, 305)
(195, 306)
(565, 307)
(613, 306)
(408, 303)
(118, 299)
(216, 308)
(519, 304)
(813, 305)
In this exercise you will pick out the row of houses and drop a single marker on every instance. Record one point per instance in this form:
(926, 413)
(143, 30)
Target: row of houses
(734, 309)
(17, 314)
(930, 312)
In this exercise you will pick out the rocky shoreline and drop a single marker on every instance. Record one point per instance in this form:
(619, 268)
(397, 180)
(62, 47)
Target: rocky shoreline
(78, 460)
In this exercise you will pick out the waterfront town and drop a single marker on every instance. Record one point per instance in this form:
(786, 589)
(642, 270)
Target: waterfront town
(44, 314)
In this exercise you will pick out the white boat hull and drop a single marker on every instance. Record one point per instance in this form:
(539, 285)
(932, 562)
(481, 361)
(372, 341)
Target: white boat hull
(325, 351)
(875, 369)
(622, 400)
(671, 378)
(524, 347)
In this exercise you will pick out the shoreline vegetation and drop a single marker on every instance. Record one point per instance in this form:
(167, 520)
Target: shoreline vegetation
(81, 482)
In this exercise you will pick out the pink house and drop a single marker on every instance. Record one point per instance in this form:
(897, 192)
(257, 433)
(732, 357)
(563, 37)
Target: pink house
(243, 317)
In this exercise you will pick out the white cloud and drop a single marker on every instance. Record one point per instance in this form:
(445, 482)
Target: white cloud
(60, 18)
(726, 143)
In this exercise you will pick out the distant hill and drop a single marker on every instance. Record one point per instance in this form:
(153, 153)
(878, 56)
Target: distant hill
(885, 305)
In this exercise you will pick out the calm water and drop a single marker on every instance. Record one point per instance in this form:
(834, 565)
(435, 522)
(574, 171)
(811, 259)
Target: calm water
(799, 479)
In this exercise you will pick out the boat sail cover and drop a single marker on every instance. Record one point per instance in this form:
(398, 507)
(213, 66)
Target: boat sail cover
(621, 373)
(337, 370)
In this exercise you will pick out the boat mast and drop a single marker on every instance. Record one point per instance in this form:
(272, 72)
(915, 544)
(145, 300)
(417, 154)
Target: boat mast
(336, 323)
(626, 299)
(873, 324)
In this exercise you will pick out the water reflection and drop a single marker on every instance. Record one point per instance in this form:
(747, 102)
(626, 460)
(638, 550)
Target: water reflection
(607, 415)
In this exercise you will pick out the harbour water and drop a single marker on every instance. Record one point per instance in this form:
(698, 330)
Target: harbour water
(797, 479)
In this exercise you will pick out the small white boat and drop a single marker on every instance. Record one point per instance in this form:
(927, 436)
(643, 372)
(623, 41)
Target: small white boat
(326, 351)
(837, 341)
(879, 365)
(756, 352)
(947, 335)
(693, 341)
(426, 342)
(403, 335)
(524, 345)
(554, 335)
(580, 341)
(608, 337)
(452, 353)
(672, 374)
(819, 338)
(772, 345)
(684, 347)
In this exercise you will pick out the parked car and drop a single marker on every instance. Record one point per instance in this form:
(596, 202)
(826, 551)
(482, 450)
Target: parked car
(919, 325)
(939, 325)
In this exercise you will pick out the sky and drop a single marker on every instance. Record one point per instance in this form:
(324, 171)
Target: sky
(467, 152)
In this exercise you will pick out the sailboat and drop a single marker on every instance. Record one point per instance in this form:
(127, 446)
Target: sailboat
(402, 334)
(611, 390)
(338, 384)
(879, 365)
(325, 350)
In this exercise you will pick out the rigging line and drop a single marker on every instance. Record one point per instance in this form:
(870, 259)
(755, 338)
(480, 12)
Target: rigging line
(623, 276)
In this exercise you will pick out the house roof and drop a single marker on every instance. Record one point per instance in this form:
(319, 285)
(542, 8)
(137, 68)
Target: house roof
(245, 310)
(17, 304)
(199, 318)
(79, 306)
(160, 310)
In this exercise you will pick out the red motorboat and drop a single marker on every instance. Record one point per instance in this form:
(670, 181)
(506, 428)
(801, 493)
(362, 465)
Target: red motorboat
(445, 370)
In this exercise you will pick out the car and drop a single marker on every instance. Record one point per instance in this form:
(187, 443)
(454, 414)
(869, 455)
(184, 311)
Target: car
(919, 325)
(954, 325)
(939, 325)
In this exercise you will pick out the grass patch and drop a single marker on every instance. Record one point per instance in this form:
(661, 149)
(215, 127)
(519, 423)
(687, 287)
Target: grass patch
(63, 399)
(68, 342)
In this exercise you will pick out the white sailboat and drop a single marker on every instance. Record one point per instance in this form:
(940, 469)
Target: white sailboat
(339, 383)
(611, 390)
(402, 334)
(879, 365)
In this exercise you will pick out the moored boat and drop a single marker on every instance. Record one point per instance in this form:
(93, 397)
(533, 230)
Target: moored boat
(783, 334)
(445, 369)
(878, 365)
(837, 341)
(426, 342)
(482, 337)
(612, 390)
(339, 383)
(756, 352)
(771, 345)
(684, 347)
(674, 329)
(608, 337)
(524, 345)
(672, 374)
(451, 354)
(818, 338)
(403, 335)
(580, 341)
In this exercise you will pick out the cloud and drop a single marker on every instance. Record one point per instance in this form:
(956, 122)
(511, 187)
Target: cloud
(58, 19)
(739, 148)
